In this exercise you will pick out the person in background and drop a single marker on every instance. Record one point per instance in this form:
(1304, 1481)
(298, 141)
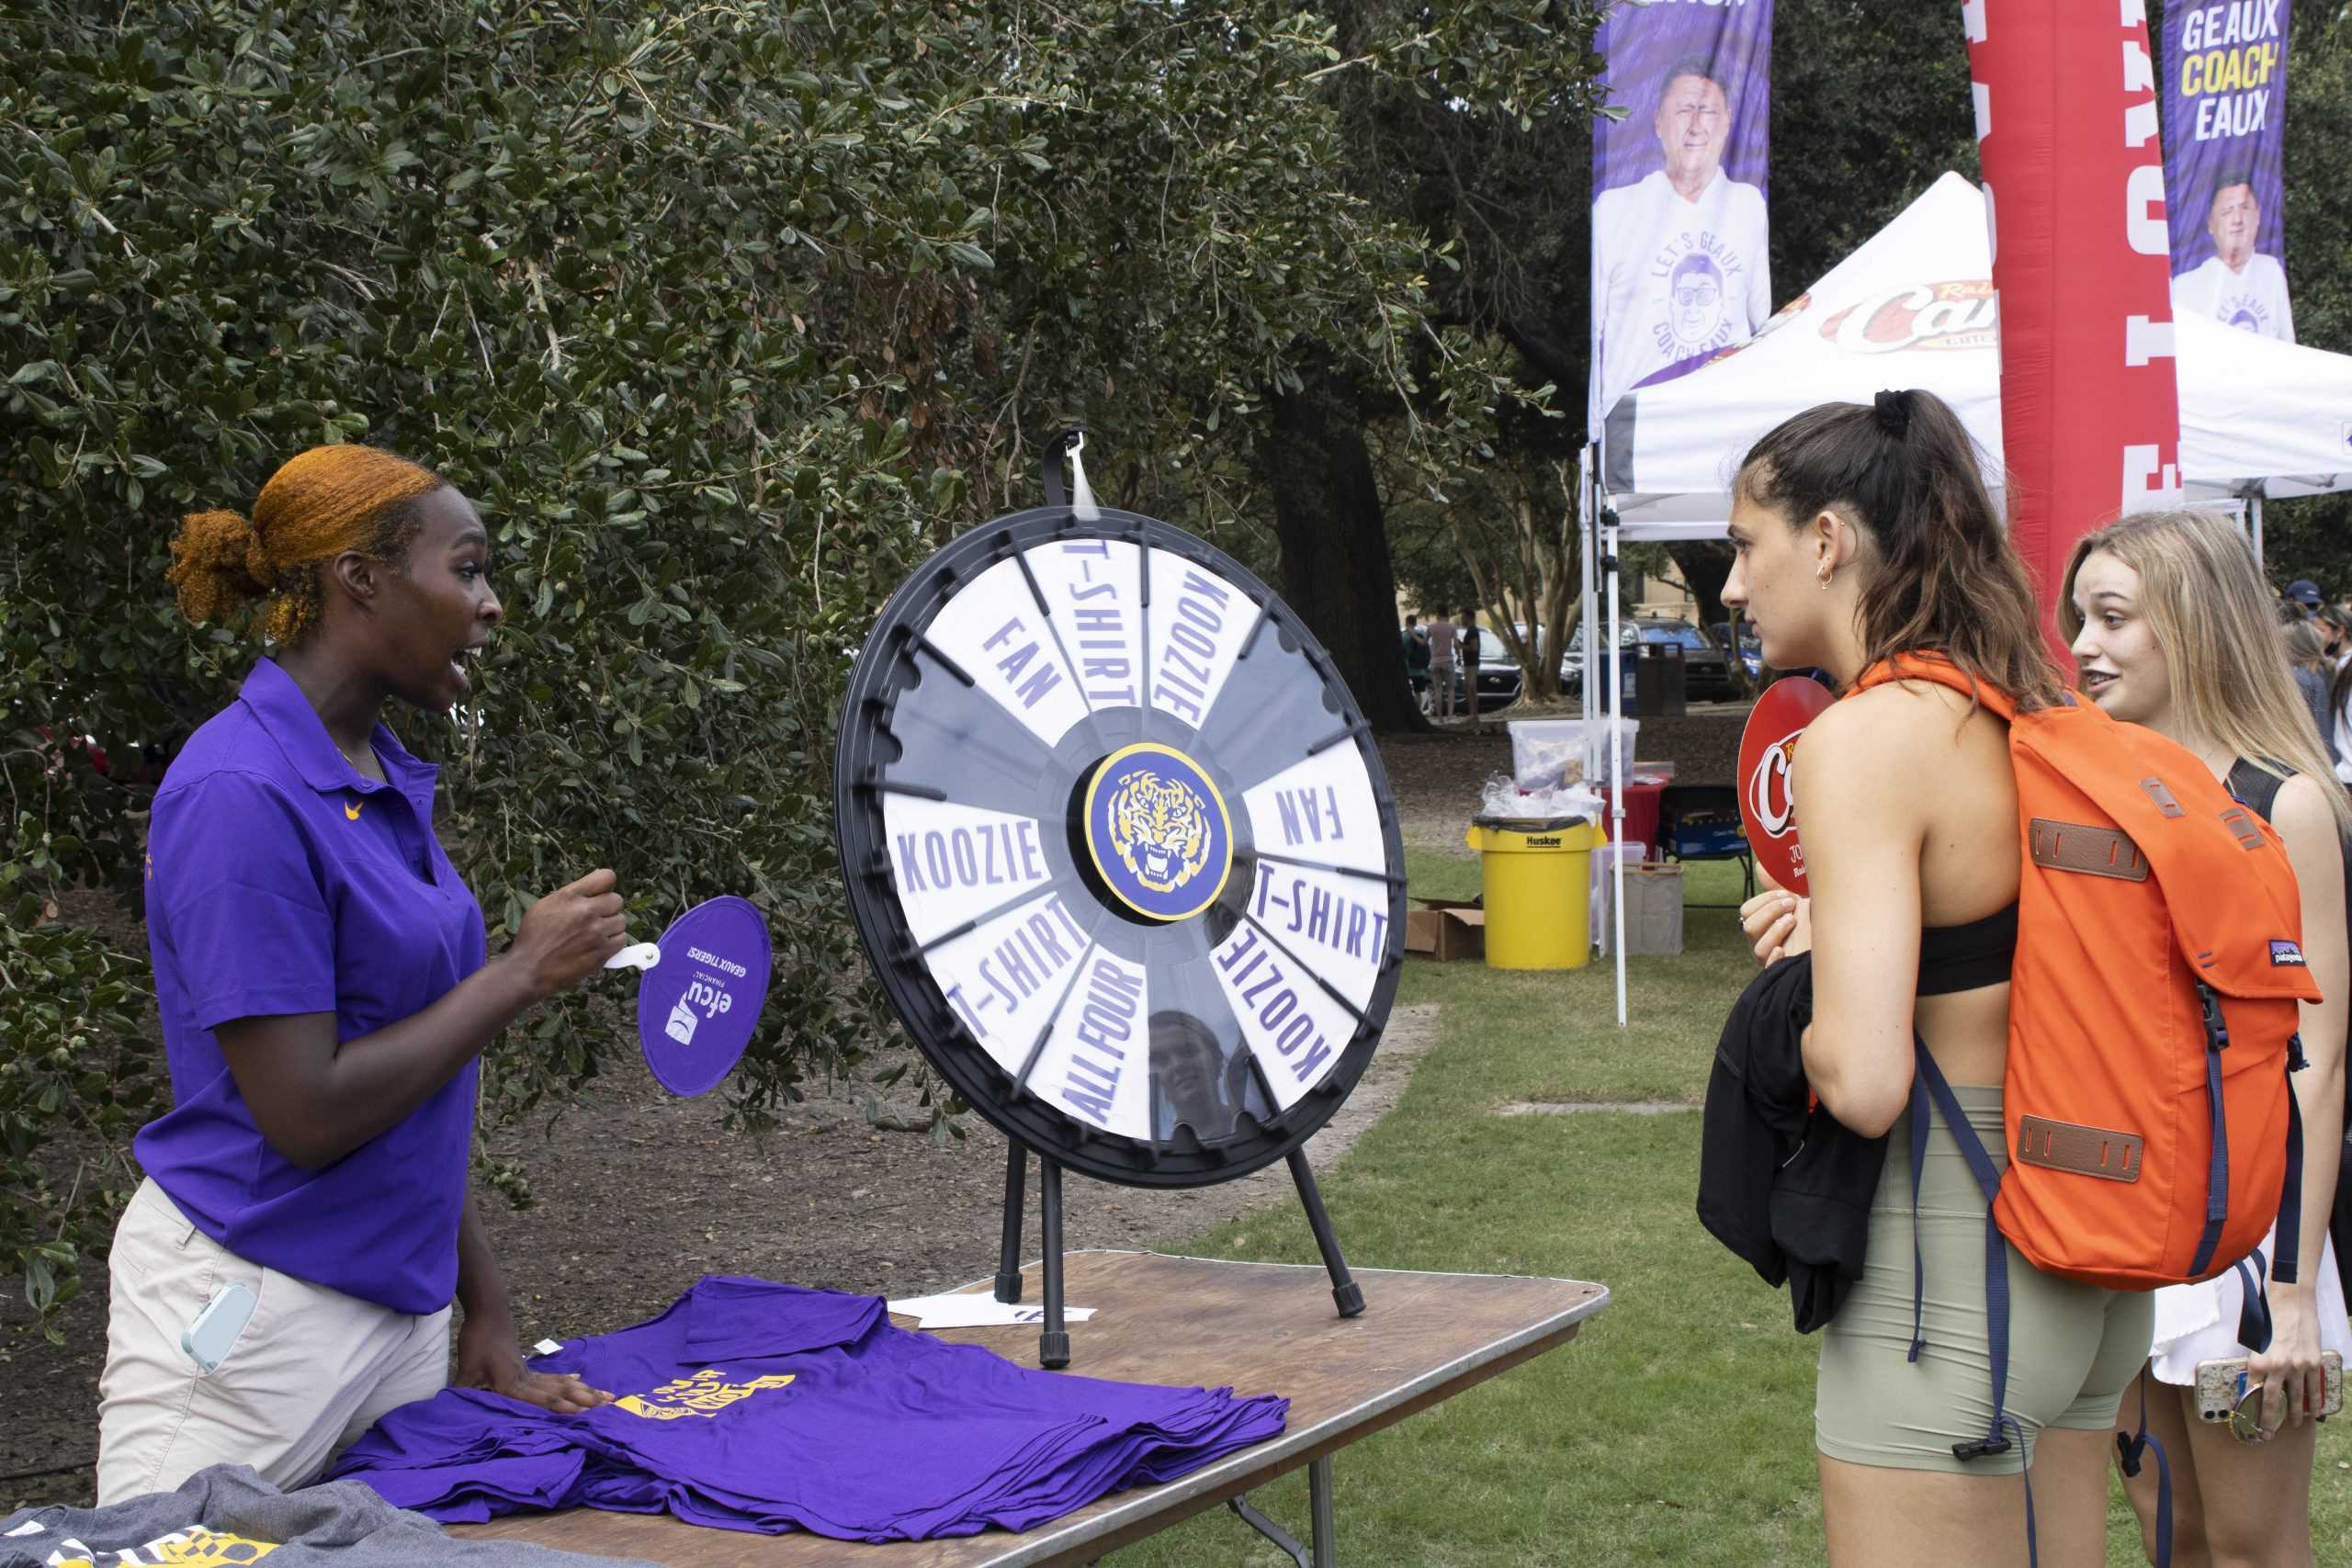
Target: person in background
(2335, 627)
(1417, 660)
(284, 1274)
(2339, 706)
(1471, 654)
(2303, 594)
(2307, 658)
(1442, 646)
(1861, 532)
(2166, 612)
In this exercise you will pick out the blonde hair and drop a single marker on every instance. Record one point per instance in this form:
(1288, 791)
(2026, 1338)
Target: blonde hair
(2305, 649)
(317, 505)
(2212, 615)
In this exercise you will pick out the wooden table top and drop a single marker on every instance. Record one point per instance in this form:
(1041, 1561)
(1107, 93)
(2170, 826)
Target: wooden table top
(1262, 1327)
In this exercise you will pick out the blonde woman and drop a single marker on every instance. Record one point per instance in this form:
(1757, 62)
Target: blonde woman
(2173, 628)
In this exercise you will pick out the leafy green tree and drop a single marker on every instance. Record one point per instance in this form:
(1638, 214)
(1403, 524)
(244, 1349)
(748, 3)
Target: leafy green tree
(724, 314)
(2313, 538)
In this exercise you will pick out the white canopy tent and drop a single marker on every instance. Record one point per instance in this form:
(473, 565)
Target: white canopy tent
(1914, 307)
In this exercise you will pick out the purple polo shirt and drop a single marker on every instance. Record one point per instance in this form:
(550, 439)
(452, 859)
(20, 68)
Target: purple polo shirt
(280, 881)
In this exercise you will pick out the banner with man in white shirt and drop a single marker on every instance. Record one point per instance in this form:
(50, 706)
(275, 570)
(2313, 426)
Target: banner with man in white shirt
(1678, 268)
(2226, 109)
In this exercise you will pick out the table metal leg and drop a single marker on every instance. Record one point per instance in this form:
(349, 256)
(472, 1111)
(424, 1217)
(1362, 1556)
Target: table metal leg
(1318, 1497)
(1325, 1551)
(1247, 1512)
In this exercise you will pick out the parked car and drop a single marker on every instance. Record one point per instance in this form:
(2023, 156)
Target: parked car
(1751, 649)
(1706, 674)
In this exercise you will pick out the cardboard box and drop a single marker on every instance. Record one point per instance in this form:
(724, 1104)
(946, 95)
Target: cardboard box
(1446, 929)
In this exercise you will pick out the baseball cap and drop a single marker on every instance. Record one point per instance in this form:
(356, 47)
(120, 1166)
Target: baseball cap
(2304, 592)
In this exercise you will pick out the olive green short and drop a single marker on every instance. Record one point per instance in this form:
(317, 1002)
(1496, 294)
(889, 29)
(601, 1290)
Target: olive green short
(2074, 1348)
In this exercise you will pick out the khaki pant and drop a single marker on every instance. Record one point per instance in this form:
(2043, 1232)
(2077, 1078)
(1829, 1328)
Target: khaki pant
(313, 1369)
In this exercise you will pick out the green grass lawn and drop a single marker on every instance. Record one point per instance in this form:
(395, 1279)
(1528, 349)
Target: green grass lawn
(1677, 1427)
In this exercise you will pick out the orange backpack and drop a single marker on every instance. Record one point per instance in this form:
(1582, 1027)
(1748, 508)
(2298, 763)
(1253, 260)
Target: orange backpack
(2153, 1135)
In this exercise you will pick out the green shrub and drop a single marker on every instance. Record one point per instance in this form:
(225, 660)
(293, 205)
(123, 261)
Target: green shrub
(723, 314)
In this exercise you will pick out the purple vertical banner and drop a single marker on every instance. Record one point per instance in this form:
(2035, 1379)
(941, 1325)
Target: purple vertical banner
(1678, 268)
(2225, 114)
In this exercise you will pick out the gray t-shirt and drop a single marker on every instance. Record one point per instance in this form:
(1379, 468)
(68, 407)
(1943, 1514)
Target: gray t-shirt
(226, 1517)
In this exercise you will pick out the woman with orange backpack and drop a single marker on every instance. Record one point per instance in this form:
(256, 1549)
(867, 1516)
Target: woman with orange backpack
(2171, 627)
(1863, 534)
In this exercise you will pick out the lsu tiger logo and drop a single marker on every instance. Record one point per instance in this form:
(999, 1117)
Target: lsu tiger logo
(1161, 829)
(1158, 832)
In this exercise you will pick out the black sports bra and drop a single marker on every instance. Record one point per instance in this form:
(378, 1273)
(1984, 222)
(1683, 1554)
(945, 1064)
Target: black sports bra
(1962, 958)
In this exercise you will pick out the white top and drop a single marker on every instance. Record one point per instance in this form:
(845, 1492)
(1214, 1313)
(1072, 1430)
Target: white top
(2199, 1323)
(1671, 279)
(2254, 299)
(2343, 736)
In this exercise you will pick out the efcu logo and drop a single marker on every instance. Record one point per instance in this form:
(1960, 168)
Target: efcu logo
(1958, 314)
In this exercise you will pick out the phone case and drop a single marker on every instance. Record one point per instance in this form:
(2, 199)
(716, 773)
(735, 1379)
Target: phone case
(207, 1340)
(2219, 1384)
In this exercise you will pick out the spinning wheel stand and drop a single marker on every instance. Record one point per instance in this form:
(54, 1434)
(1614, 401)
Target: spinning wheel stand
(1053, 1342)
(1120, 847)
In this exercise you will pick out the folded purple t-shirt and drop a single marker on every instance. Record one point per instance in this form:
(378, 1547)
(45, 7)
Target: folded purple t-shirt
(757, 1406)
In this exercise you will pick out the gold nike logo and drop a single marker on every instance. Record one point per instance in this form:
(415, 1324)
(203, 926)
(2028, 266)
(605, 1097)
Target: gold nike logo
(351, 811)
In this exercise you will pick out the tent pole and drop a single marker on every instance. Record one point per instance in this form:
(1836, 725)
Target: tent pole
(2253, 510)
(1586, 476)
(1616, 766)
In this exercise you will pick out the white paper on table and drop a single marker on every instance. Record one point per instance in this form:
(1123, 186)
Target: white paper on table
(978, 1310)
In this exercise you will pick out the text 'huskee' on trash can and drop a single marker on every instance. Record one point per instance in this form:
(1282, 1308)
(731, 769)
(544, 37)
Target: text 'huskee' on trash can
(1538, 878)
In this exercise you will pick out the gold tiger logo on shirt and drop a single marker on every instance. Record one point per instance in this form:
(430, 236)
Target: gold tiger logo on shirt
(703, 1394)
(194, 1546)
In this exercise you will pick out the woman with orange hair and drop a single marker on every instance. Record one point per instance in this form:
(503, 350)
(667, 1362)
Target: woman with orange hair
(285, 1273)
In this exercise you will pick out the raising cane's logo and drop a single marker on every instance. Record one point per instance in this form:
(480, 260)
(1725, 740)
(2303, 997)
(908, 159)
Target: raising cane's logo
(1770, 805)
(1920, 315)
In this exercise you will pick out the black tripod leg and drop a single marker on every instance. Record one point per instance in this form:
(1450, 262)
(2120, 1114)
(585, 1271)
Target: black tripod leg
(1053, 1344)
(1345, 1292)
(1008, 1259)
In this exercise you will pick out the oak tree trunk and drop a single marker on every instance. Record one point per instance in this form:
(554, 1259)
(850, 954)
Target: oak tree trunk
(1336, 573)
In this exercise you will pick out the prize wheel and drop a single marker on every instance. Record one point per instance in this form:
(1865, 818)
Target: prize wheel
(1120, 847)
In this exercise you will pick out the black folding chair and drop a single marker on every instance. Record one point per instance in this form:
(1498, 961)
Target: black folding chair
(1702, 822)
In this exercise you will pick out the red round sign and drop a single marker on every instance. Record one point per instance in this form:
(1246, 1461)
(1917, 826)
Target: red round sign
(1767, 748)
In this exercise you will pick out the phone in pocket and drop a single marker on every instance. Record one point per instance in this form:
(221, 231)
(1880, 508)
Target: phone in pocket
(208, 1339)
(2222, 1384)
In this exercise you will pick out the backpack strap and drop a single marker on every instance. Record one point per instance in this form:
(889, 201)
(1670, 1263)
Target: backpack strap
(2258, 790)
(2128, 1447)
(1936, 670)
(1930, 1088)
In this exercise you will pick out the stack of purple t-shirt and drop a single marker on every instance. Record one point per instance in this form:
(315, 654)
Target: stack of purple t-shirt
(756, 1406)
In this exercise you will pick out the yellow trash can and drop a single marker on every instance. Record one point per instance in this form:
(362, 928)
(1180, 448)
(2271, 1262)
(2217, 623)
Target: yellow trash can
(1538, 875)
